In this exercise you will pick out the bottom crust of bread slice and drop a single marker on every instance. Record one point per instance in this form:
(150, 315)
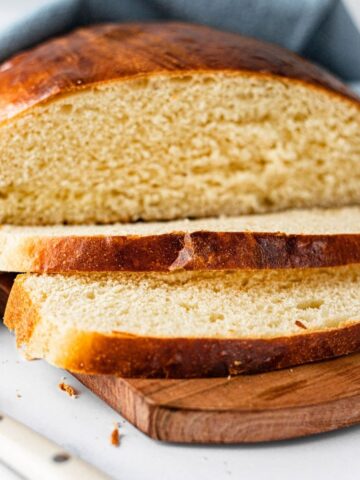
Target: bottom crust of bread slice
(308, 238)
(186, 324)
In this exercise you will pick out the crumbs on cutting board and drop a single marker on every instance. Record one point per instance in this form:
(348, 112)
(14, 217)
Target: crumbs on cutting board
(115, 436)
(71, 391)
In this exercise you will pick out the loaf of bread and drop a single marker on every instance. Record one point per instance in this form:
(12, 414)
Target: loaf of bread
(291, 239)
(186, 324)
(116, 123)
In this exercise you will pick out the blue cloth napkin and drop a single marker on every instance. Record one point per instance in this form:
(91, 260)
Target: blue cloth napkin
(321, 30)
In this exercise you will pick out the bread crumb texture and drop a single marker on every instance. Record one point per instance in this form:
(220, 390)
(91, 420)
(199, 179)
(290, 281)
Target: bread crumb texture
(168, 147)
(230, 304)
(317, 221)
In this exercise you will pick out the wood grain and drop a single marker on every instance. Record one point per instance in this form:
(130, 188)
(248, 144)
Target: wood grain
(272, 406)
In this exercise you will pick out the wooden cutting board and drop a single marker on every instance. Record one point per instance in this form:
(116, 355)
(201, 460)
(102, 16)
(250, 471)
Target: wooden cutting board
(272, 406)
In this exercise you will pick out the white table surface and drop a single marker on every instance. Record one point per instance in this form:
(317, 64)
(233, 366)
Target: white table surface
(83, 426)
(29, 393)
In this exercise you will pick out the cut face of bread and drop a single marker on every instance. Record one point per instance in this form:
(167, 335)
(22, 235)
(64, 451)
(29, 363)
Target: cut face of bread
(291, 239)
(164, 121)
(187, 323)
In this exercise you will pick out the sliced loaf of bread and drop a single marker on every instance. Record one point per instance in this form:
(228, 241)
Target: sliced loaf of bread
(116, 123)
(291, 239)
(186, 324)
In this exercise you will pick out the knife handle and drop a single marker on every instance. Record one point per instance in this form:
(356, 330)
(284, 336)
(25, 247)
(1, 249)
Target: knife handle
(37, 458)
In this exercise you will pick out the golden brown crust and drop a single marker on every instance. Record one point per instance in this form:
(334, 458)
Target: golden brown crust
(202, 250)
(149, 357)
(21, 315)
(146, 357)
(121, 51)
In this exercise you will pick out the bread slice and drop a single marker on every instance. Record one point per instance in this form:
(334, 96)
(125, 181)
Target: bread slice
(116, 123)
(186, 324)
(292, 239)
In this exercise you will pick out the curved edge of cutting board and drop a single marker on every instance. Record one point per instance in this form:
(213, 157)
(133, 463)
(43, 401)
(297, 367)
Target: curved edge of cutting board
(277, 405)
